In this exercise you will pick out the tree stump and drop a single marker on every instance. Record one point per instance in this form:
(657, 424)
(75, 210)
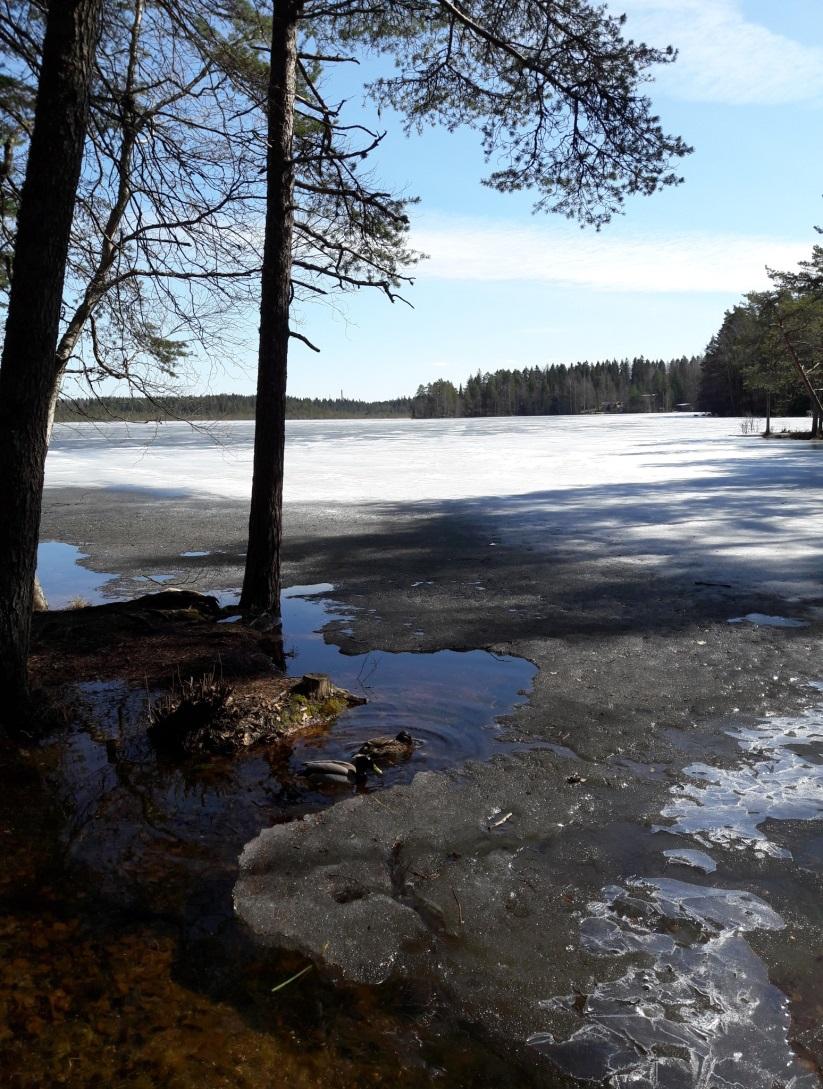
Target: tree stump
(314, 686)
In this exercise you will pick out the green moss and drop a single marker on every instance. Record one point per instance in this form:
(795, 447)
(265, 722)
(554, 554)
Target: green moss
(333, 706)
(300, 710)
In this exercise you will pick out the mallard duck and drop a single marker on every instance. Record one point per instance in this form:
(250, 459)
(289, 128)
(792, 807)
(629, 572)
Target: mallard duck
(341, 771)
(399, 747)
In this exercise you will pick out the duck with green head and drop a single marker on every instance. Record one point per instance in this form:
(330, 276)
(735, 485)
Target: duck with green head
(341, 772)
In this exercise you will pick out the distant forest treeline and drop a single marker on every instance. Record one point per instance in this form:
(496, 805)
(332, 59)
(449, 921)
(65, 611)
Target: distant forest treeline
(635, 385)
(222, 406)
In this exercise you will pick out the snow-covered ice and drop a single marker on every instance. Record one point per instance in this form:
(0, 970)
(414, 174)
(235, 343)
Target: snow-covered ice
(361, 461)
(677, 490)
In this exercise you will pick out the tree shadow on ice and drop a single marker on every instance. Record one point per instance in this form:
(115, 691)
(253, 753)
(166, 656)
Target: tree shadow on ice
(594, 560)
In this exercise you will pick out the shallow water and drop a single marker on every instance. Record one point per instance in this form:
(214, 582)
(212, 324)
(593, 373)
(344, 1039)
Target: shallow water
(65, 579)
(762, 620)
(126, 803)
(122, 963)
(448, 700)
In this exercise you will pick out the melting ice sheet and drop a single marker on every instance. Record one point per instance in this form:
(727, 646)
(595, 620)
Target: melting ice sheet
(699, 1014)
(727, 805)
(695, 1008)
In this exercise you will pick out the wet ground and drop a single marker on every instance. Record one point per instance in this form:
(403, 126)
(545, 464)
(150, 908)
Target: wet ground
(125, 964)
(549, 894)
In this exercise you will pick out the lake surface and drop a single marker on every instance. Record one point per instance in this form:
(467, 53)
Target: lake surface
(408, 460)
(653, 489)
(693, 496)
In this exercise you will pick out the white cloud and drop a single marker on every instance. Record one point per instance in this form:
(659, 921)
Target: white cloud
(725, 57)
(675, 262)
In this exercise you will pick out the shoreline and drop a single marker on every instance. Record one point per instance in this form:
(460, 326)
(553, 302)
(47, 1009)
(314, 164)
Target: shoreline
(639, 674)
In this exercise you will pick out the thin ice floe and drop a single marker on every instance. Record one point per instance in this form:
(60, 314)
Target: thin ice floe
(727, 806)
(699, 1014)
(695, 1008)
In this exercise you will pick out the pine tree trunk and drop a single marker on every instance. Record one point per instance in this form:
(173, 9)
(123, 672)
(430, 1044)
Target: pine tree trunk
(261, 581)
(32, 325)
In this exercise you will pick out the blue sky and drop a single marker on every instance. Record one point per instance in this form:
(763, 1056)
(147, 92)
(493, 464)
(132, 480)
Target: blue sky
(505, 288)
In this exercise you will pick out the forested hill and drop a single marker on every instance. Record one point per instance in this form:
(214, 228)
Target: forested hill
(223, 406)
(636, 385)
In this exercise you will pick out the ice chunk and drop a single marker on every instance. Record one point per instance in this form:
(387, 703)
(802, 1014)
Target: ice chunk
(727, 806)
(698, 860)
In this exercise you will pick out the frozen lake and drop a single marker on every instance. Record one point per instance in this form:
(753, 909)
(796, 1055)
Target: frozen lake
(361, 461)
(657, 489)
(632, 559)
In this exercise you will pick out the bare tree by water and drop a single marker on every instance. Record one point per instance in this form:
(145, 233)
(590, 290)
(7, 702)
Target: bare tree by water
(27, 369)
(555, 92)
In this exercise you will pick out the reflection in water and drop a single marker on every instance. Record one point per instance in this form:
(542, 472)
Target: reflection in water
(127, 803)
(698, 1010)
(64, 578)
(127, 965)
(130, 809)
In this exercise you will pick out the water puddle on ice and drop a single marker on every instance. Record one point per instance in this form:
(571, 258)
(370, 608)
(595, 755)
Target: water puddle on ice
(762, 620)
(449, 700)
(65, 580)
(695, 1008)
